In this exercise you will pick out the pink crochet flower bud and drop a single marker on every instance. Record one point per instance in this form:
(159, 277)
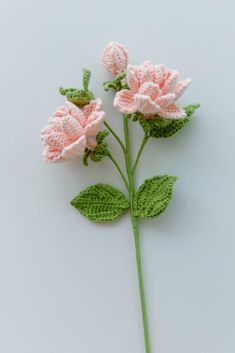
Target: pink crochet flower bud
(114, 58)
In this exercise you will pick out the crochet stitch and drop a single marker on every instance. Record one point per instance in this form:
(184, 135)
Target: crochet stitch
(101, 203)
(153, 90)
(114, 58)
(145, 94)
(71, 130)
(153, 196)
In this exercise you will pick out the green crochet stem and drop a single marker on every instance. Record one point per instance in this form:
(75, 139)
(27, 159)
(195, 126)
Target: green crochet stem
(119, 169)
(135, 227)
(115, 136)
(145, 139)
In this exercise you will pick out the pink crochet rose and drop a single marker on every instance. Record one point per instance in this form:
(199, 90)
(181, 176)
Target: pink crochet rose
(71, 130)
(153, 91)
(114, 58)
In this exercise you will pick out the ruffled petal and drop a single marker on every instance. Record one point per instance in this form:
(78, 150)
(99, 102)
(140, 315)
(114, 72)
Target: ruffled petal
(170, 82)
(150, 89)
(124, 101)
(147, 73)
(76, 112)
(56, 140)
(60, 111)
(145, 104)
(132, 77)
(172, 111)
(159, 73)
(75, 149)
(181, 87)
(94, 126)
(70, 127)
(52, 156)
(165, 100)
(92, 106)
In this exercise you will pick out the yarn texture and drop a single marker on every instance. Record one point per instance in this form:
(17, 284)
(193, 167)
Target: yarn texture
(153, 89)
(158, 127)
(145, 94)
(101, 203)
(71, 130)
(153, 196)
(114, 58)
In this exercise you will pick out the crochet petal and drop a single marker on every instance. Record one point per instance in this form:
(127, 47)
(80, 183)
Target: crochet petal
(181, 87)
(147, 72)
(70, 126)
(52, 156)
(124, 101)
(145, 104)
(56, 140)
(159, 73)
(165, 100)
(60, 111)
(132, 77)
(92, 106)
(170, 82)
(172, 111)
(91, 143)
(75, 149)
(150, 89)
(96, 121)
(76, 112)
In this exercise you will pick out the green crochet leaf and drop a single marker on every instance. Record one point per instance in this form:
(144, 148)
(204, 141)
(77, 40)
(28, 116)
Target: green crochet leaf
(153, 196)
(166, 128)
(160, 127)
(101, 203)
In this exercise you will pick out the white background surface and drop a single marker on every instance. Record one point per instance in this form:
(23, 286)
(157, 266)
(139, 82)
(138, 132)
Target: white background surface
(69, 286)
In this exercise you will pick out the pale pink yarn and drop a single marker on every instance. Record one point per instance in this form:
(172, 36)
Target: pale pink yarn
(114, 58)
(153, 91)
(71, 130)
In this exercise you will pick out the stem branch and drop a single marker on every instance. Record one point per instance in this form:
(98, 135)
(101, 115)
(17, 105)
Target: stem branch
(145, 139)
(115, 136)
(119, 170)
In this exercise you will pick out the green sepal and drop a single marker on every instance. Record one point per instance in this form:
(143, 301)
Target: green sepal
(101, 203)
(79, 97)
(86, 78)
(116, 84)
(86, 156)
(153, 196)
(101, 150)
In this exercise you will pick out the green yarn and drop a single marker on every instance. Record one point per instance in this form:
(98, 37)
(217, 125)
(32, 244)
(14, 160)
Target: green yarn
(100, 151)
(153, 196)
(116, 84)
(86, 78)
(79, 97)
(159, 127)
(101, 203)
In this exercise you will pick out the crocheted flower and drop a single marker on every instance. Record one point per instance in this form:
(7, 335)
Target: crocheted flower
(114, 58)
(153, 91)
(71, 130)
